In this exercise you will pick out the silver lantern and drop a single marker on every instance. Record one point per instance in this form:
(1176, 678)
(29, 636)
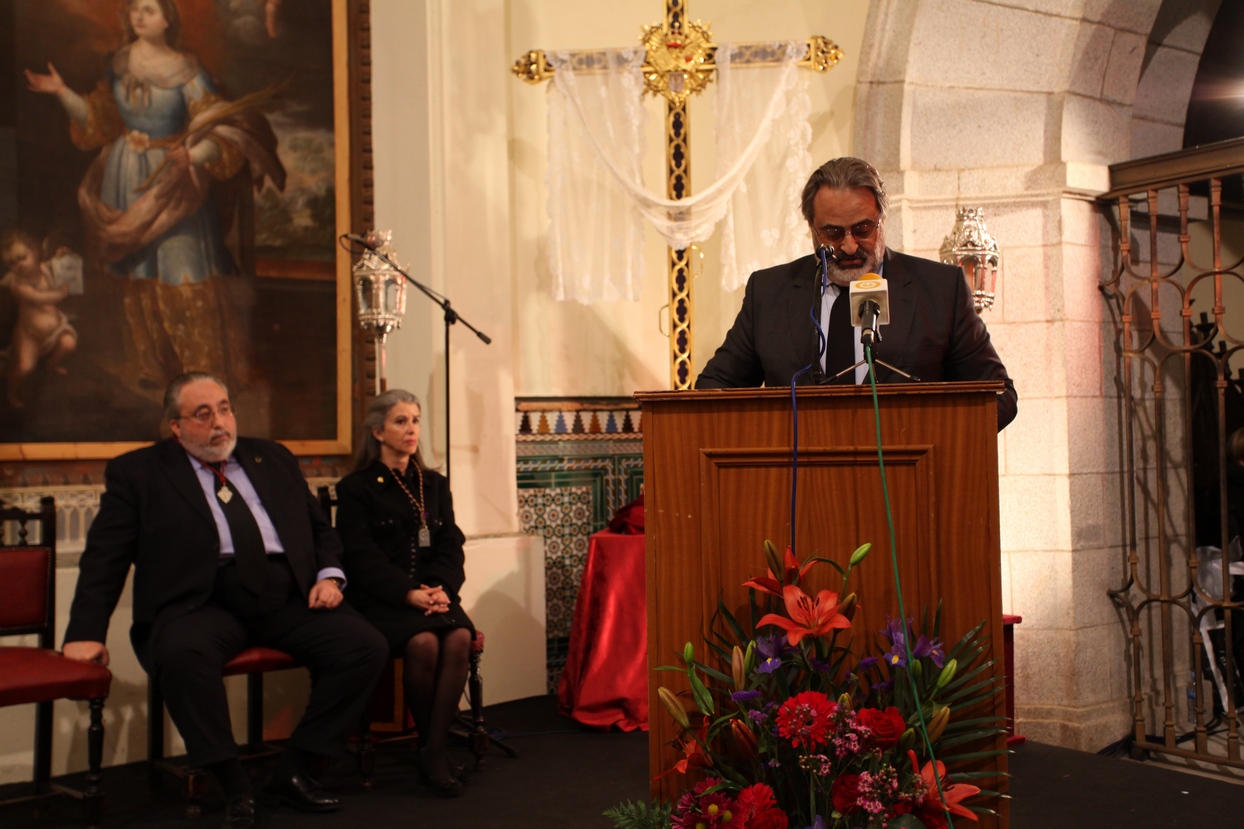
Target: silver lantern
(381, 294)
(970, 246)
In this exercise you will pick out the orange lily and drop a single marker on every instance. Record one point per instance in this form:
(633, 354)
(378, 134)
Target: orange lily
(791, 574)
(954, 793)
(694, 751)
(808, 616)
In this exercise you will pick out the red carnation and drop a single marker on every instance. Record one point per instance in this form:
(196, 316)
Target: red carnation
(886, 726)
(805, 719)
(758, 810)
(846, 794)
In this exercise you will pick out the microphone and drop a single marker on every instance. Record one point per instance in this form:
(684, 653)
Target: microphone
(870, 307)
(368, 241)
(826, 252)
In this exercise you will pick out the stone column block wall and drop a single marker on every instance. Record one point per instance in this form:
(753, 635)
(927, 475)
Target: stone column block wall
(1019, 107)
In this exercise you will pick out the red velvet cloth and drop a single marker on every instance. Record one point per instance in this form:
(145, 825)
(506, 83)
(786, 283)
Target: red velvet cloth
(259, 661)
(605, 681)
(24, 572)
(37, 675)
(629, 518)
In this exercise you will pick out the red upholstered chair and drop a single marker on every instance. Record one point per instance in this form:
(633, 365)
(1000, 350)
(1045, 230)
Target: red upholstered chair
(387, 714)
(38, 674)
(253, 663)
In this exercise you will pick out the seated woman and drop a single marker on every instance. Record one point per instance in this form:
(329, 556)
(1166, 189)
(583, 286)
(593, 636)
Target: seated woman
(404, 561)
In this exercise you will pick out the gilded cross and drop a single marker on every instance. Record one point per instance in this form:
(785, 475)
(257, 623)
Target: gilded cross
(680, 62)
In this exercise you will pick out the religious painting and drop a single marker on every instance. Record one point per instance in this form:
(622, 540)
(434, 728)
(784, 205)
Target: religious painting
(174, 175)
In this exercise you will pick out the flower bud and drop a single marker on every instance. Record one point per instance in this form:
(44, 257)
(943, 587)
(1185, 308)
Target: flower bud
(775, 560)
(847, 606)
(749, 658)
(674, 706)
(948, 673)
(688, 653)
(744, 738)
(738, 671)
(906, 741)
(844, 700)
(938, 723)
(916, 668)
(860, 553)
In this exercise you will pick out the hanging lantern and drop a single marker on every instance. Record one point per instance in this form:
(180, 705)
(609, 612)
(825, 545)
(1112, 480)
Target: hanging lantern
(970, 246)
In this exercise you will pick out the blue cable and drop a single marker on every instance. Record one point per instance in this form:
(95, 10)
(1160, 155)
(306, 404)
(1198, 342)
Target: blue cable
(815, 314)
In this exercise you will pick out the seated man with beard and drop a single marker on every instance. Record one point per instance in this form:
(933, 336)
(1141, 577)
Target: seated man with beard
(230, 550)
(933, 333)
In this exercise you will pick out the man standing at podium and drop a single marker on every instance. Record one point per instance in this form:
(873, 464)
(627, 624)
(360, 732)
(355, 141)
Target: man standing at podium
(934, 333)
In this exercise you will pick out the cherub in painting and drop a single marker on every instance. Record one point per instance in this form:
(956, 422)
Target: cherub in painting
(42, 331)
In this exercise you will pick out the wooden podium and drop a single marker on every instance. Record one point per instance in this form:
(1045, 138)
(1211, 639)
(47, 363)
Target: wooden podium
(717, 482)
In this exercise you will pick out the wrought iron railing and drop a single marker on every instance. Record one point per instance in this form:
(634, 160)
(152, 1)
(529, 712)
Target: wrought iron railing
(1178, 222)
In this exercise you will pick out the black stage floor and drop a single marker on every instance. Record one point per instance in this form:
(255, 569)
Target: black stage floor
(565, 777)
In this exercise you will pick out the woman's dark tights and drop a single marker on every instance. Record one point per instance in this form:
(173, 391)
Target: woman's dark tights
(434, 672)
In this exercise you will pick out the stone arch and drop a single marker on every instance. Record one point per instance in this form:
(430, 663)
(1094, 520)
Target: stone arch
(1020, 107)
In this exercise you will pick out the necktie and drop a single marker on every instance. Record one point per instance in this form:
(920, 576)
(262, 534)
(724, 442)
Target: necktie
(840, 339)
(248, 546)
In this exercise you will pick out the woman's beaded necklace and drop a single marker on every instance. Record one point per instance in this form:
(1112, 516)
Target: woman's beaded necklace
(425, 535)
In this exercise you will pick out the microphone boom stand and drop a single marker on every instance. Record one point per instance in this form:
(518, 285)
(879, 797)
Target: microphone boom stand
(451, 316)
(870, 336)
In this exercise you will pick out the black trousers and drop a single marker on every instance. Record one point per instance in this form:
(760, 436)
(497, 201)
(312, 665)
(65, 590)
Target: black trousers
(343, 652)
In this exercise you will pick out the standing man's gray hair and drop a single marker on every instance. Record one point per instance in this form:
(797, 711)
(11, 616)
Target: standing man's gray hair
(844, 173)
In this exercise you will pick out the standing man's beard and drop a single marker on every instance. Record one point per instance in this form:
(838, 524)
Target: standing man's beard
(845, 269)
(215, 449)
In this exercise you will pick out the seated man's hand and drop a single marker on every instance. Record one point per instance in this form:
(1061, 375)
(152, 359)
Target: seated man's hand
(325, 595)
(86, 652)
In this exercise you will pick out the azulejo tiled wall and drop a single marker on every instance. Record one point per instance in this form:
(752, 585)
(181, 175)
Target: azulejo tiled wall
(579, 460)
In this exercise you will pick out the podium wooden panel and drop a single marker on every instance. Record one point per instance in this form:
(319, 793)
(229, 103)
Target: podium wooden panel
(717, 480)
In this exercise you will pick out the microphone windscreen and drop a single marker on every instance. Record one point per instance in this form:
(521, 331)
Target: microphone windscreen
(870, 286)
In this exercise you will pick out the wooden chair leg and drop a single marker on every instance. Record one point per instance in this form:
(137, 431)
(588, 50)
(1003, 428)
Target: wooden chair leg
(43, 746)
(93, 796)
(367, 752)
(479, 735)
(155, 730)
(480, 738)
(254, 711)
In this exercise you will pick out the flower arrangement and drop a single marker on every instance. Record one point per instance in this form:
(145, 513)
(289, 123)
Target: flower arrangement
(793, 729)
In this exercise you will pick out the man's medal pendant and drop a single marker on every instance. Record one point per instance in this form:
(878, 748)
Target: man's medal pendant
(425, 537)
(224, 494)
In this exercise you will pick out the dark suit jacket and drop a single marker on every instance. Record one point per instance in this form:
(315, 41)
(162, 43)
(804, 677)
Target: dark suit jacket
(377, 523)
(933, 332)
(153, 515)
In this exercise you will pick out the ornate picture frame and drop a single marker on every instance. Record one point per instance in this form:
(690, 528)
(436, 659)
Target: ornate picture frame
(272, 315)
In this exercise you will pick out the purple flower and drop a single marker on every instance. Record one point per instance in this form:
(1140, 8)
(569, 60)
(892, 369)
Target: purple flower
(895, 631)
(866, 664)
(818, 666)
(757, 717)
(933, 649)
(819, 823)
(772, 648)
(744, 697)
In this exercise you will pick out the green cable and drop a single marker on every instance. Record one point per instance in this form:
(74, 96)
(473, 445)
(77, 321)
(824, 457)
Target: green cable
(898, 586)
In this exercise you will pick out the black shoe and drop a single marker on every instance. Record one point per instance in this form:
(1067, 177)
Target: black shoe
(300, 791)
(239, 812)
(444, 786)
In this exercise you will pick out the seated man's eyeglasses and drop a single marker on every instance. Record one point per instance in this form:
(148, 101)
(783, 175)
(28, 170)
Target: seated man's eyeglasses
(204, 414)
(859, 231)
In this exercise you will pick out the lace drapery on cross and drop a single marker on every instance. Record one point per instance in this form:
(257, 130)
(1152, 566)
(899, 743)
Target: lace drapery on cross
(597, 201)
